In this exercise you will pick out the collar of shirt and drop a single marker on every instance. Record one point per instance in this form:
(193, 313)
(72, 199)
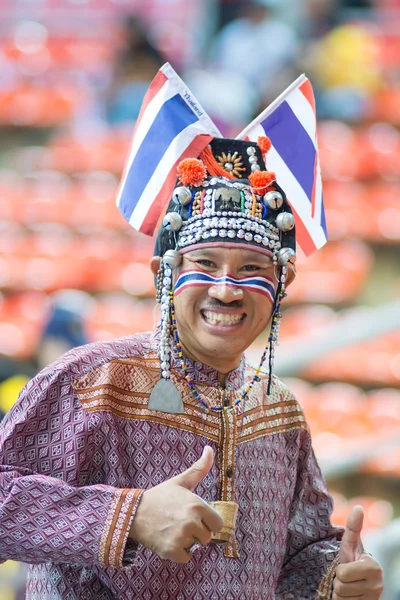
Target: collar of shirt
(200, 372)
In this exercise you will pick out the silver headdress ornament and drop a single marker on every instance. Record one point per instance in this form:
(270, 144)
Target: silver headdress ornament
(211, 207)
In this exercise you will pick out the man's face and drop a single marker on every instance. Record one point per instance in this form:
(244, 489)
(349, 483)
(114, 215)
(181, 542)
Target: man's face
(218, 318)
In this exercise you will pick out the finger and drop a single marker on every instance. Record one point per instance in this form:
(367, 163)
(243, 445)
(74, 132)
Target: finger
(174, 552)
(345, 590)
(202, 534)
(351, 541)
(190, 478)
(180, 556)
(211, 518)
(354, 571)
(336, 597)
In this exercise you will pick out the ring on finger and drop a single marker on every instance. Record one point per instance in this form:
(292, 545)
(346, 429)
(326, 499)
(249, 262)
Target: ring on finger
(192, 549)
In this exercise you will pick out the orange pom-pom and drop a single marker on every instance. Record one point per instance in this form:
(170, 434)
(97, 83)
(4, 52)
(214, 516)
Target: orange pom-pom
(192, 171)
(264, 143)
(261, 180)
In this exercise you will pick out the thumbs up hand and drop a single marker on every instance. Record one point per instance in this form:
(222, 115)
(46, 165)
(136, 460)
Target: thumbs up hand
(170, 517)
(358, 574)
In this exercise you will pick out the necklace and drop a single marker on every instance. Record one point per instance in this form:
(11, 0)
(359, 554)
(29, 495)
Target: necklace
(189, 380)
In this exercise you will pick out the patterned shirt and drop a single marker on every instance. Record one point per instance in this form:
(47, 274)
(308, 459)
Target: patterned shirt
(80, 446)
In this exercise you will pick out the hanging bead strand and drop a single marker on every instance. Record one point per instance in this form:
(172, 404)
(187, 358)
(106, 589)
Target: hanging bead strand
(165, 349)
(273, 339)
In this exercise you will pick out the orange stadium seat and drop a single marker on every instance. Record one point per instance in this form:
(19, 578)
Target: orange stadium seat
(381, 151)
(384, 409)
(339, 150)
(386, 464)
(368, 211)
(329, 276)
(384, 412)
(385, 105)
(46, 106)
(389, 49)
(21, 322)
(373, 362)
(301, 320)
(99, 151)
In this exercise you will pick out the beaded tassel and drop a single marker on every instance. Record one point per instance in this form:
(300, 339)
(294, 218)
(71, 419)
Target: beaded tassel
(159, 283)
(165, 350)
(273, 338)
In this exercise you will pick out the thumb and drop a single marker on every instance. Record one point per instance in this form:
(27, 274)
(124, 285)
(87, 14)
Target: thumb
(194, 474)
(351, 546)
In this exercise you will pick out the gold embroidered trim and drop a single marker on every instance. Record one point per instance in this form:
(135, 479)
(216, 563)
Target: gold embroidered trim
(324, 591)
(116, 529)
(227, 446)
(114, 388)
(290, 426)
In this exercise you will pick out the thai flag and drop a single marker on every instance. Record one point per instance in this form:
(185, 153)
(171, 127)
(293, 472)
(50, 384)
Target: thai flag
(290, 124)
(171, 126)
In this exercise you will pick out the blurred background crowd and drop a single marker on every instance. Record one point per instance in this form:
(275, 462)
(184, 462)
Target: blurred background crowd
(73, 74)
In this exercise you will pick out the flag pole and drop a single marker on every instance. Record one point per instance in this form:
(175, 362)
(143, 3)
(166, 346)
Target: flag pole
(267, 111)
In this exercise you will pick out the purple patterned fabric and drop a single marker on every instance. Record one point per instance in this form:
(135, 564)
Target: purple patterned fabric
(80, 445)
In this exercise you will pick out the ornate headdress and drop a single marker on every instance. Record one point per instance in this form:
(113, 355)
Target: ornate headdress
(223, 195)
(226, 197)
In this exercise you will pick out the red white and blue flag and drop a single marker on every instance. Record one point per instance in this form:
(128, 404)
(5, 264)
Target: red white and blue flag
(290, 124)
(171, 126)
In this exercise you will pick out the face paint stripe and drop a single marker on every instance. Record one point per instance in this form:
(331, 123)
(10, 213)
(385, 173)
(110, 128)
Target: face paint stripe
(259, 284)
(205, 274)
(265, 290)
(202, 276)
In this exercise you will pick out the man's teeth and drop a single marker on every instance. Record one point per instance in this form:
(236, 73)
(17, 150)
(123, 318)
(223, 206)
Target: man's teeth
(215, 318)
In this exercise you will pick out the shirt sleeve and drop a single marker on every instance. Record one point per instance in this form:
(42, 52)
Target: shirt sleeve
(50, 510)
(313, 542)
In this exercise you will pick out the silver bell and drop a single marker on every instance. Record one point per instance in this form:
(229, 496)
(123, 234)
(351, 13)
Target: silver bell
(273, 200)
(286, 257)
(172, 258)
(255, 167)
(285, 221)
(172, 221)
(182, 195)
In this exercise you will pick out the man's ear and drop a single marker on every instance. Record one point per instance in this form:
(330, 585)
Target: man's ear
(291, 275)
(155, 264)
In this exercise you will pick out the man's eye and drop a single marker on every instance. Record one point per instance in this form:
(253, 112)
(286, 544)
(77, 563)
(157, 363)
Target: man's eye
(204, 263)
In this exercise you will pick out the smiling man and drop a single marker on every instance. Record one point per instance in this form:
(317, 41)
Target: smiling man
(223, 302)
(164, 466)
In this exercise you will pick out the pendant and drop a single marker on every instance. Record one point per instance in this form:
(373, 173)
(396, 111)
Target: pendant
(228, 511)
(166, 398)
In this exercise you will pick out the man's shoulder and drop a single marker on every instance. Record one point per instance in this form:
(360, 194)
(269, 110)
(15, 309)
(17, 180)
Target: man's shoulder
(279, 394)
(282, 394)
(279, 390)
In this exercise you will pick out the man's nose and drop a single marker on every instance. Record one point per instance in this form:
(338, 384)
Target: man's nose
(225, 292)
